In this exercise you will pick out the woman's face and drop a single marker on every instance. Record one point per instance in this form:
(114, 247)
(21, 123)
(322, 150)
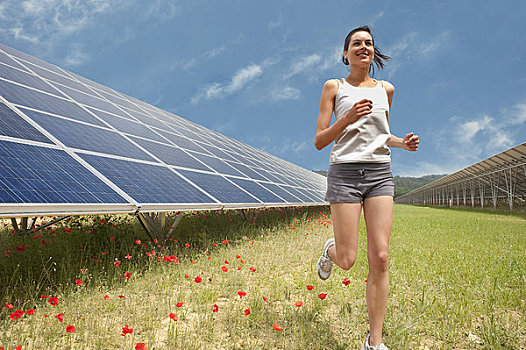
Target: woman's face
(361, 50)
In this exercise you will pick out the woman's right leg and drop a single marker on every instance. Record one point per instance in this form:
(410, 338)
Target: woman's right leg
(345, 220)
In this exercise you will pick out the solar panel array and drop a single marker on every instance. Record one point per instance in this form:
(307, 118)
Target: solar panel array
(70, 145)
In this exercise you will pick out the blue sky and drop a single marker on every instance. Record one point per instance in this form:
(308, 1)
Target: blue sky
(253, 70)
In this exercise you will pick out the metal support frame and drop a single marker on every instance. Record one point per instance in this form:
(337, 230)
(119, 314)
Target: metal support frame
(154, 224)
(26, 226)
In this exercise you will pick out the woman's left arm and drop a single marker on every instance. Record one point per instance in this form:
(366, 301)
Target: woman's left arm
(410, 141)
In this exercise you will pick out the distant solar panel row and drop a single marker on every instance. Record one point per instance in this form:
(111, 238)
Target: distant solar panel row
(70, 145)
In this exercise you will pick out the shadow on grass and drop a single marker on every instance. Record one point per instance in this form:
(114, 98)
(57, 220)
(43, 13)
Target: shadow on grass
(98, 250)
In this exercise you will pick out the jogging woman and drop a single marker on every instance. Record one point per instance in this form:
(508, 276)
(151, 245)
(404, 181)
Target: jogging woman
(360, 171)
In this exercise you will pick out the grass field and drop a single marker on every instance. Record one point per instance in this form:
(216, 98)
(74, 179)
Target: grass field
(458, 281)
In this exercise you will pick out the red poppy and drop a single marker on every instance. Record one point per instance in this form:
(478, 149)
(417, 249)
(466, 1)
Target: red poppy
(265, 300)
(117, 263)
(322, 296)
(173, 317)
(187, 245)
(247, 312)
(226, 262)
(60, 317)
(128, 256)
(70, 329)
(78, 282)
(198, 279)
(365, 281)
(19, 347)
(224, 268)
(16, 315)
(53, 301)
(127, 275)
(138, 241)
(225, 242)
(141, 346)
(346, 281)
(239, 268)
(242, 261)
(216, 308)
(121, 296)
(30, 312)
(241, 294)
(126, 330)
(277, 327)
(299, 303)
(309, 287)
(112, 239)
(238, 256)
(253, 269)
(186, 276)
(179, 304)
(106, 297)
(9, 306)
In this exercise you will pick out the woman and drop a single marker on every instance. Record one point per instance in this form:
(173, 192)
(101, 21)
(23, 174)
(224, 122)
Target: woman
(360, 172)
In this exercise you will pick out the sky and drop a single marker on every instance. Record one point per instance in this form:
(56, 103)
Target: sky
(254, 70)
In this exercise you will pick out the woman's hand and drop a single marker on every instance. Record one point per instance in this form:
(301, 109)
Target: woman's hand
(358, 110)
(410, 142)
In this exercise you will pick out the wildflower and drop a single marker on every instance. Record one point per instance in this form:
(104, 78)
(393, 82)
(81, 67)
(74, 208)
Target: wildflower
(117, 263)
(127, 275)
(346, 281)
(78, 282)
(53, 301)
(277, 327)
(138, 242)
(225, 242)
(299, 303)
(126, 330)
(179, 304)
(253, 269)
(30, 312)
(241, 294)
(173, 317)
(9, 306)
(141, 346)
(198, 279)
(309, 287)
(322, 296)
(224, 268)
(247, 312)
(106, 297)
(70, 329)
(60, 317)
(265, 300)
(216, 308)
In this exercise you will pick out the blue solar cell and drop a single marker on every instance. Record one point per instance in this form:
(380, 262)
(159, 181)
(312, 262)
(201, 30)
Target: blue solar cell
(91, 100)
(119, 101)
(218, 153)
(8, 60)
(258, 191)
(29, 58)
(93, 84)
(182, 142)
(128, 126)
(27, 79)
(217, 186)
(47, 103)
(270, 176)
(309, 194)
(11, 124)
(298, 194)
(48, 176)
(171, 155)
(146, 119)
(147, 183)
(247, 171)
(86, 137)
(217, 164)
(58, 78)
(280, 191)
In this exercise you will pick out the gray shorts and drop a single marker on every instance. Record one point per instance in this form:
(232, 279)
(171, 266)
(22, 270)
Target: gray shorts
(353, 182)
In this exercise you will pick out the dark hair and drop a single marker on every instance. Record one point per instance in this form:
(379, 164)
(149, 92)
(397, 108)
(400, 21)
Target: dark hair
(378, 56)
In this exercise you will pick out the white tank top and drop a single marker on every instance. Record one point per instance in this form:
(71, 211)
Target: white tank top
(364, 141)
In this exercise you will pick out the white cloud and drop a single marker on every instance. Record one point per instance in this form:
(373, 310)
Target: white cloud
(76, 56)
(240, 79)
(305, 63)
(285, 93)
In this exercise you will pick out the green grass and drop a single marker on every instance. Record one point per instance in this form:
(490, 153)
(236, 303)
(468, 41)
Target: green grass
(458, 281)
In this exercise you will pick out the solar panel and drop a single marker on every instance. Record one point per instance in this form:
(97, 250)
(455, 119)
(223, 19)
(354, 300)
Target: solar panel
(69, 145)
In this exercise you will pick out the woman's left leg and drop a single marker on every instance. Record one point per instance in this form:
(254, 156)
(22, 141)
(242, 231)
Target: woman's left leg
(378, 214)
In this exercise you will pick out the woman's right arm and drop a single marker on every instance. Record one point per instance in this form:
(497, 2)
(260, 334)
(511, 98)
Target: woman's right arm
(327, 133)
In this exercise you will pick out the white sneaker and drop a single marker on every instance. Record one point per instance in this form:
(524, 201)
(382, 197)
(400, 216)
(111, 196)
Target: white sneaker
(324, 264)
(366, 346)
